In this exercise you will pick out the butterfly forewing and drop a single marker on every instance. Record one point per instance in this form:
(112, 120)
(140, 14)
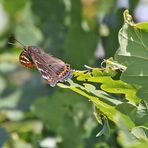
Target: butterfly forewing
(24, 60)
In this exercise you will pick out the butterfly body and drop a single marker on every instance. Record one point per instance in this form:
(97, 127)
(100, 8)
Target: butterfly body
(52, 69)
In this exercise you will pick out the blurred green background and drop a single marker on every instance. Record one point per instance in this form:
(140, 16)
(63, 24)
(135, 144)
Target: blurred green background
(33, 114)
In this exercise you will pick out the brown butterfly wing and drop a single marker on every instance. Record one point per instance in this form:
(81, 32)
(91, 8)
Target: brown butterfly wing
(52, 69)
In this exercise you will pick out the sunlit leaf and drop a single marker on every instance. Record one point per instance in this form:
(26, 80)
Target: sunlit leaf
(133, 52)
(104, 108)
(108, 84)
(140, 132)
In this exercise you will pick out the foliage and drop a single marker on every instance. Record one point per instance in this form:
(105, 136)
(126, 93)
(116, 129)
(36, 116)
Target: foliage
(123, 112)
(133, 52)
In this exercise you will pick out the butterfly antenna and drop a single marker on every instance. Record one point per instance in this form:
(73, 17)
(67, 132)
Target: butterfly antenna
(18, 42)
(11, 43)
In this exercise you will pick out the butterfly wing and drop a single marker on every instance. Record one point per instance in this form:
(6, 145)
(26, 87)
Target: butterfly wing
(52, 69)
(24, 60)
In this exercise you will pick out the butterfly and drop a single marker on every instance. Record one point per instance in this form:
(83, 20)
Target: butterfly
(51, 68)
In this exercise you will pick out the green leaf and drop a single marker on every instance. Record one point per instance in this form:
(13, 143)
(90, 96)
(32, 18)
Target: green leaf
(125, 138)
(101, 94)
(133, 52)
(140, 133)
(134, 139)
(108, 83)
(106, 109)
(105, 130)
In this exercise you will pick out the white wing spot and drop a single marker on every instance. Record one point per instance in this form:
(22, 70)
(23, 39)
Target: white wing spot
(44, 77)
